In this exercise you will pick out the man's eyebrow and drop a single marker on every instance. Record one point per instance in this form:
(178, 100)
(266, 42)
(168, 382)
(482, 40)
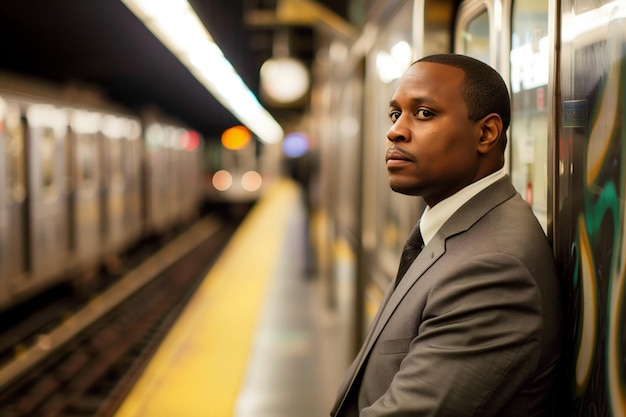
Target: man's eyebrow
(415, 101)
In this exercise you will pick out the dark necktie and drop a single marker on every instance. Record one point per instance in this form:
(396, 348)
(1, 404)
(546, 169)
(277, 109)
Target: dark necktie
(412, 248)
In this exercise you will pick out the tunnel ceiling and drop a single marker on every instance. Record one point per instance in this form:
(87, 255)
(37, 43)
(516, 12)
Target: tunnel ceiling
(101, 44)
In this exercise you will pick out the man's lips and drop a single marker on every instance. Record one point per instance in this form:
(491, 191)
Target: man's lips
(398, 155)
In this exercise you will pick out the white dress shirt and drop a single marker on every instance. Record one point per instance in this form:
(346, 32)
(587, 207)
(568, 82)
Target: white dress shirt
(433, 218)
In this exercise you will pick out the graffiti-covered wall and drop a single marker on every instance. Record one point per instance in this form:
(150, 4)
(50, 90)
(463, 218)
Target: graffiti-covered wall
(590, 233)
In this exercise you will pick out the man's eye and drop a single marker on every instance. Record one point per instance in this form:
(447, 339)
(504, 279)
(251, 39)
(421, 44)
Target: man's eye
(394, 115)
(424, 114)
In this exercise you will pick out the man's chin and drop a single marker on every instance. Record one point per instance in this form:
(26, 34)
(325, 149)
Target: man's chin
(401, 188)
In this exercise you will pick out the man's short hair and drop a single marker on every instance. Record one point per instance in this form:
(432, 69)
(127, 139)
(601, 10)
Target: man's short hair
(484, 91)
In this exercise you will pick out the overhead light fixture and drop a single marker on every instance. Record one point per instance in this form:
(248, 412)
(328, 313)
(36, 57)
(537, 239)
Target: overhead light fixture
(177, 26)
(284, 79)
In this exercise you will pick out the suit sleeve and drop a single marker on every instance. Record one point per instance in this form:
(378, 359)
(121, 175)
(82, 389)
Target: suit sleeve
(477, 343)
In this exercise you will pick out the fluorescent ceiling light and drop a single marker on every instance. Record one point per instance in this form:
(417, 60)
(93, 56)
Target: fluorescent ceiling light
(177, 26)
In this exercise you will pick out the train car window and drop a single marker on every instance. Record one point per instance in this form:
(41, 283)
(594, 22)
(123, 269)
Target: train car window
(15, 159)
(47, 155)
(479, 29)
(118, 133)
(132, 162)
(116, 162)
(87, 162)
(529, 122)
(47, 124)
(476, 37)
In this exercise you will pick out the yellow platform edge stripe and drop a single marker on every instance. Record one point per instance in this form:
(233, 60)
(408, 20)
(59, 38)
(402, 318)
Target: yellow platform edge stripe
(200, 366)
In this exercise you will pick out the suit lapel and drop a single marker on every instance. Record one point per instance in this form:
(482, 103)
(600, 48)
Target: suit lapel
(429, 255)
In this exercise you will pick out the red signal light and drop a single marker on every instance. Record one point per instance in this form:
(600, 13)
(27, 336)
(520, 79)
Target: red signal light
(190, 140)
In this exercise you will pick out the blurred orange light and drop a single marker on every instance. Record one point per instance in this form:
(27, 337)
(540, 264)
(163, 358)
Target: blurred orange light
(236, 138)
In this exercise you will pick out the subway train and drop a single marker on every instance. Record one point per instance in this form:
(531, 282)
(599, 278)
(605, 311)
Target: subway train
(565, 65)
(239, 169)
(82, 180)
(234, 175)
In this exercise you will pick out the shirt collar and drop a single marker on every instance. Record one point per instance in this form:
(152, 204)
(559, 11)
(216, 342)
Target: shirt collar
(433, 218)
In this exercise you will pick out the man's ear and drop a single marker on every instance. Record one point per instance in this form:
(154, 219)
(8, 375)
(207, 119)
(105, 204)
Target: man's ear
(491, 133)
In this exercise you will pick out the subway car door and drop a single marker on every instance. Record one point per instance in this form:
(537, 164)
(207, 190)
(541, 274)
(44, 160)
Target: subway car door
(14, 230)
(115, 233)
(47, 131)
(133, 175)
(84, 173)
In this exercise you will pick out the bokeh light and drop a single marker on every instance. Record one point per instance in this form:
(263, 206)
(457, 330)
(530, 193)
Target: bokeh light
(251, 181)
(295, 144)
(236, 138)
(222, 180)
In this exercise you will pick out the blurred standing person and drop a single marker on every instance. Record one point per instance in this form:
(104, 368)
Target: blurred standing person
(473, 324)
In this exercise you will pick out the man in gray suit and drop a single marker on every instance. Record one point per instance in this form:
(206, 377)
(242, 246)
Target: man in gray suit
(474, 326)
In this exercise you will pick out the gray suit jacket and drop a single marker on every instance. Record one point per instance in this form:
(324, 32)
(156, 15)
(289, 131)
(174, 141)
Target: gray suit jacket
(473, 329)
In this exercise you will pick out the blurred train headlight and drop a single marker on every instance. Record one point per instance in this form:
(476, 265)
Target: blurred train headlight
(251, 181)
(222, 180)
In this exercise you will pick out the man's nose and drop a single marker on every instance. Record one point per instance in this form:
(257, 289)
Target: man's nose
(398, 133)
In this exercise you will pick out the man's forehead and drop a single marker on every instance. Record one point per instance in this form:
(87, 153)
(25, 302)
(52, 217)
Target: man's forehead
(431, 77)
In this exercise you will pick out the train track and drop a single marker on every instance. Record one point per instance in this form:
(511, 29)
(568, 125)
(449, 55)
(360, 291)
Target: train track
(86, 364)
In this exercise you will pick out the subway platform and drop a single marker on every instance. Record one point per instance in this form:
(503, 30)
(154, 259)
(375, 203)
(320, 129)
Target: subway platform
(259, 338)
